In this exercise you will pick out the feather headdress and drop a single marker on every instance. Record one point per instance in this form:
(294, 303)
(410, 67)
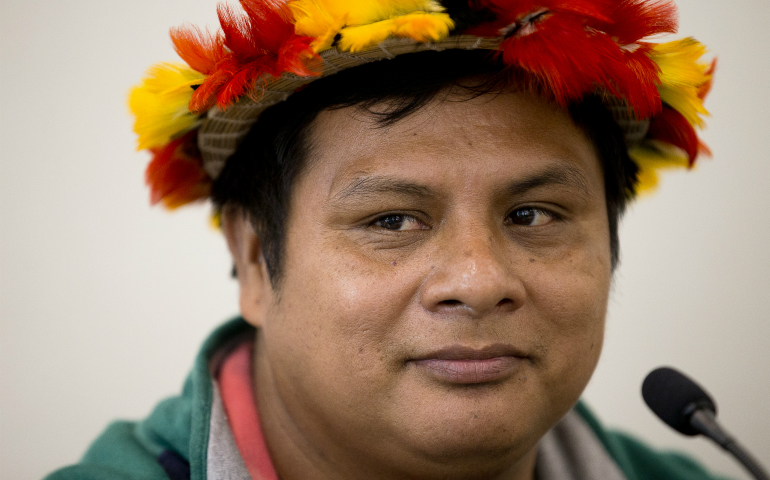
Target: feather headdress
(192, 117)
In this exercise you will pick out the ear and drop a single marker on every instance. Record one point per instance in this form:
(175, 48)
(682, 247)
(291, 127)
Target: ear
(253, 278)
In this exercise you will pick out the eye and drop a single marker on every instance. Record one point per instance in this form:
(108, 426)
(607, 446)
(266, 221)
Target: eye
(531, 217)
(398, 222)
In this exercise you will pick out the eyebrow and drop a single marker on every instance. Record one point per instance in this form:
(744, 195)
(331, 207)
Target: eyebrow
(370, 186)
(561, 174)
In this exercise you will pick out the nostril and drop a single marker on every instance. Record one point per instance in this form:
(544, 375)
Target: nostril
(450, 303)
(506, 302)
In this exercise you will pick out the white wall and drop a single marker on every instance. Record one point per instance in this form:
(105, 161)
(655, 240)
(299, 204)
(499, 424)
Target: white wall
(104, 301)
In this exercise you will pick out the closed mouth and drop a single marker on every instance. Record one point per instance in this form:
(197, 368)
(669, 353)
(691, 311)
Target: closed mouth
(464, 365)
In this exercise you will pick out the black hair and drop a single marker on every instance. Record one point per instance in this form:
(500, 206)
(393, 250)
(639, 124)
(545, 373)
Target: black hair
(258, 178)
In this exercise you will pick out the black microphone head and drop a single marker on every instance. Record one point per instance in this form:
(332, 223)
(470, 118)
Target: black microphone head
(674, 398)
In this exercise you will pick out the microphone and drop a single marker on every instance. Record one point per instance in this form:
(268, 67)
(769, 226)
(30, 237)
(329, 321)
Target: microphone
(684, 406)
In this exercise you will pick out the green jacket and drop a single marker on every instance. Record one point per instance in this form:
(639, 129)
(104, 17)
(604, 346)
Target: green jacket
(186, 437)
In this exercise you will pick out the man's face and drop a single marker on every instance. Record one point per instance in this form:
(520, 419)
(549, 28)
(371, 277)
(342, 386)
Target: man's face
(444, 286)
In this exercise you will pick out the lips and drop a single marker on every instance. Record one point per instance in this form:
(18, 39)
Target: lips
(467, 366)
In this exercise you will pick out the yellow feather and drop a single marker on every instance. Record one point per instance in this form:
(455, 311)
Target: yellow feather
(364, 12)
(313, 19)
(678, 61)
(424, 27)
(215, 220)
(160, 103)
(686, 102)
(324, 19)
(419, 26)
(355, 39)
(681, 76)
(653, 156)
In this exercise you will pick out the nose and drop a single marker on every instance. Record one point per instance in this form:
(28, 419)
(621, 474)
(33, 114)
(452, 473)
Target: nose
(473, 274)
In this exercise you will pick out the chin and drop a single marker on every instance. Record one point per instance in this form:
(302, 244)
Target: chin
(477, 424)
(480, 451)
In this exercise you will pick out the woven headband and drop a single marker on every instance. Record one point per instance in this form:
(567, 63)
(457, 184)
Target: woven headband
(192, 117)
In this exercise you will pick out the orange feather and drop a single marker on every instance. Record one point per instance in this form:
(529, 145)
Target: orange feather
(255, 43)
(705, 89)
(200, 49)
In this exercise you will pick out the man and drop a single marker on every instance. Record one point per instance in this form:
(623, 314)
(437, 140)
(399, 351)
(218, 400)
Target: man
(424, 245)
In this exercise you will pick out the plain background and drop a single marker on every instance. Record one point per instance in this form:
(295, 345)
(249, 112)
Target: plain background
(104, 300)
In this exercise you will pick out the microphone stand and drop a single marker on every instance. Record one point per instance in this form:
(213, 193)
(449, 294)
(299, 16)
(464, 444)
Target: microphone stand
(705, 422)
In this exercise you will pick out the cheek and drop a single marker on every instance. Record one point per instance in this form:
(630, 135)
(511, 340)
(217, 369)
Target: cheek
(345, 313)
(571, 297)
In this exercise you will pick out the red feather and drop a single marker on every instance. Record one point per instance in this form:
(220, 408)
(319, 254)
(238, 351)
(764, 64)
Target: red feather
(671, 127)
(245, 79)
(205, 96)
(633, 20)
(513, 10)
(575, 47)
(591, 10)
(510, 12)
(569, 60)
(271, 22)
(295, 55)
(640, 87)
(175, 174)
(237, 29)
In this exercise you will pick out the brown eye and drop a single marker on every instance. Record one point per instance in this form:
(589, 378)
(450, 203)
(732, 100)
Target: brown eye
(398, 223)
(530, 217)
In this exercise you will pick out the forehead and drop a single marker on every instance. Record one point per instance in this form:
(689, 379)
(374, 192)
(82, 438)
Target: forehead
(501, 135)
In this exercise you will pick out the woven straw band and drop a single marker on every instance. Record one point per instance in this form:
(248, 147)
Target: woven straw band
(222, 131)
